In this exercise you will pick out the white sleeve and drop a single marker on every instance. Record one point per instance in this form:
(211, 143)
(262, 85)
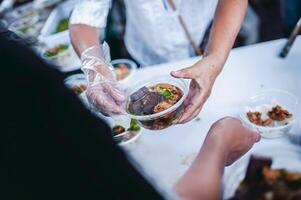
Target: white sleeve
(91, 12)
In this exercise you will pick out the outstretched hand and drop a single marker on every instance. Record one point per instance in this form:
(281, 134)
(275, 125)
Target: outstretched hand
(202, 75)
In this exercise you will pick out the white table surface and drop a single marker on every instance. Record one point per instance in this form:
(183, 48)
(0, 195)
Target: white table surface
(167, 153)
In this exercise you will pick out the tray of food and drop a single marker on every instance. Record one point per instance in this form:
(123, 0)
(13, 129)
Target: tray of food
(272, 113)
(27, 19)
(27, 26)
(262, 182)
(157, 103)
(270, 172)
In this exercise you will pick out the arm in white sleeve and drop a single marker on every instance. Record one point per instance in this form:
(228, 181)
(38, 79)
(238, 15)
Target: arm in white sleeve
(91, 12)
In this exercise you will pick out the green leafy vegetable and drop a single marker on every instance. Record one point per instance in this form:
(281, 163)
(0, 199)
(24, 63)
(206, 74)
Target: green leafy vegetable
(62, 26)
(166, 93)
(134, 126)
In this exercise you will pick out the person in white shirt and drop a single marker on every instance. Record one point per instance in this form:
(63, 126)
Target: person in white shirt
(155, 35)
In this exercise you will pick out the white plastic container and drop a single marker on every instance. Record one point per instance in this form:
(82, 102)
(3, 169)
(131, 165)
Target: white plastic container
(28, 26)
(65, 61)
(62, 11)
(70, 61)
(77, 80)
(285, 99)
(132, 67)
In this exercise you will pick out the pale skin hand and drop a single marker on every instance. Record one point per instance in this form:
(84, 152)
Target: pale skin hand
(227, 140)
(227, 22)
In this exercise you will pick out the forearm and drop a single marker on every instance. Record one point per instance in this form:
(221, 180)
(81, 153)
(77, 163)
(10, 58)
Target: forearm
(226, 25)
(83, 37)
(203, 178)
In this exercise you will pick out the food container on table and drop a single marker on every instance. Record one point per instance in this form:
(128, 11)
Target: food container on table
(62, 11)
(28, 26)
(166, 118)
(284, 155)
(128, 139)
(122, 66)
(285, 99)
(20, 11)
(68, 63)
(61, 59)
(77, 83)
(66, 60)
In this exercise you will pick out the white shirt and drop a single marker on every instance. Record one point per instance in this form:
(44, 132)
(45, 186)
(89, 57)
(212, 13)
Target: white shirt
(153, 33)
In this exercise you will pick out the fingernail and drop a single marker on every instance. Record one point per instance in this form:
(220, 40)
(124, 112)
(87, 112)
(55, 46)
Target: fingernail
(176, 73)
(257, 137)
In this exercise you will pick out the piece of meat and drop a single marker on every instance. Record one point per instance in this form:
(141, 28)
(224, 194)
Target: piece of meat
(150, 101)
(255, 118)
(279, 114)
(136, 107)
(145, 103)
(139, 94)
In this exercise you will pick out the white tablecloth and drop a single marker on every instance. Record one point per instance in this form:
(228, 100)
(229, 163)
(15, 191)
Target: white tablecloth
(168, 153)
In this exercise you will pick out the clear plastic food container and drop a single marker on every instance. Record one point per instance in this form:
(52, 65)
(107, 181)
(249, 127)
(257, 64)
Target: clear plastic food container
(64, 59)
(271, 98)
(124, 69)
(77, 83)
(125, 135)
(28, 26)
(165, 118)
(128, 140)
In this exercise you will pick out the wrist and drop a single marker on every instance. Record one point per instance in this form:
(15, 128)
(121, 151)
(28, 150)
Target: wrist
(215, 147)
(217, 61)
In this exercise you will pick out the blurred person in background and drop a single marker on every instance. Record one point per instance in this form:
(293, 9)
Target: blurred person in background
(291, 14)
(155, 35)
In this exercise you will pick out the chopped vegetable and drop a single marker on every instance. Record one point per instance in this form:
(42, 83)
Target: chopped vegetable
(62, 26)
(56, 50)
(134, 126)
(166, 93)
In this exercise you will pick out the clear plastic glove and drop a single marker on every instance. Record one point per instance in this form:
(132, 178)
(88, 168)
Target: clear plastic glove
(102, 91)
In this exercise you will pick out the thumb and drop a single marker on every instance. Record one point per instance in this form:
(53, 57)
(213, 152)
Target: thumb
(115, 93)
(183, 73)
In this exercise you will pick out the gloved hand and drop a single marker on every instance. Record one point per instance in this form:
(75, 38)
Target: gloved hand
(102, 91)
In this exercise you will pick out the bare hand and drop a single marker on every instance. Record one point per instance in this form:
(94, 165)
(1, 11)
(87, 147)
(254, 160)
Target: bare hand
(202, 75)
(231, 139)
